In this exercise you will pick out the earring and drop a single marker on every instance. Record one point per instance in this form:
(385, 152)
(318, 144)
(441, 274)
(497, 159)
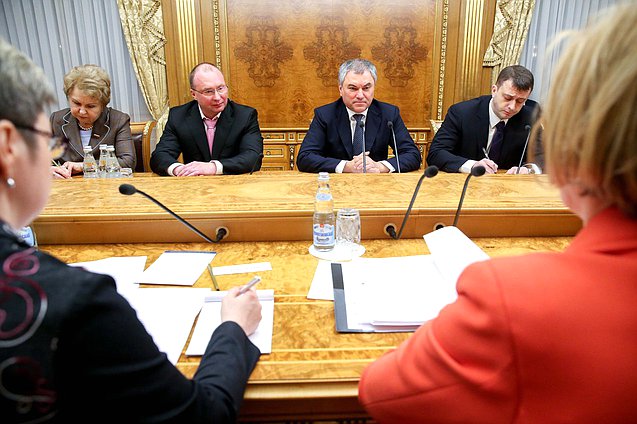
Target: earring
(10, 182)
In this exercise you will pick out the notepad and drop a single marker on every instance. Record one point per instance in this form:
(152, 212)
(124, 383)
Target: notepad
(210, 318)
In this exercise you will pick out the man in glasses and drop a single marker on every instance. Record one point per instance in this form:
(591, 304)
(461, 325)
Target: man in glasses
(215, 135)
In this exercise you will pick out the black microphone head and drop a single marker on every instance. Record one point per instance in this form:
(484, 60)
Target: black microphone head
(390, 125)
(127, 189)
(527, 127)
(431, 171)
(478, 171)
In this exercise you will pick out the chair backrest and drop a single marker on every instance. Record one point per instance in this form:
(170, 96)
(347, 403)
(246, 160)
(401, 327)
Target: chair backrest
(141, 132)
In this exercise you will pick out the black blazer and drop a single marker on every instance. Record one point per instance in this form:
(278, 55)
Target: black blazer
(238, 142)
(464, 132)
(74, 350)
(329, 139)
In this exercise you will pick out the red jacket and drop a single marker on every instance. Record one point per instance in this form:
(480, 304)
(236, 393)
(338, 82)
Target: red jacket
(542, 338)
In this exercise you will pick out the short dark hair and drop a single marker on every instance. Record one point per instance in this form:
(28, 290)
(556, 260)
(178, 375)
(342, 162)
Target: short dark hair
(521, 77)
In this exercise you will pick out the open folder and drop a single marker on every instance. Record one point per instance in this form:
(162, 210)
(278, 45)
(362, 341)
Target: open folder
(399, 294)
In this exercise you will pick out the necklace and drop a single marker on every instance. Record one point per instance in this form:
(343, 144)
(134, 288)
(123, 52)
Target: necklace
(85, 129)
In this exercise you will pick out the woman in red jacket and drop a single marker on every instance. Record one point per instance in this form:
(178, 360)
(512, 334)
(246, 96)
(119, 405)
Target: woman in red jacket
(549, 337)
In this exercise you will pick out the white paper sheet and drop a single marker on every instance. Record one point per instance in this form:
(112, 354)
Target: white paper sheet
(210, 318)
(180, 268)
(453, 251)
(242, 268)
(124, 270)
(168, 315)
(322, 285)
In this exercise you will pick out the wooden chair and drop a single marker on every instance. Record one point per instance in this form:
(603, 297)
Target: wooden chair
(141, 132)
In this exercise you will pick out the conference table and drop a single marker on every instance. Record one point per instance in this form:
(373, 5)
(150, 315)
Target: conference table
(313, 371)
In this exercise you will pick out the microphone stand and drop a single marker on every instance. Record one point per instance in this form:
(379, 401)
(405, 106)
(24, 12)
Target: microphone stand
(476, 171)
(390, 124)
(430, 172)
(526, 143)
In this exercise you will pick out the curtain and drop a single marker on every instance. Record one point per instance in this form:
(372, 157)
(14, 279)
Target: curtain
(60, 34)
(550, 18)
(512, 19)
(144, 32)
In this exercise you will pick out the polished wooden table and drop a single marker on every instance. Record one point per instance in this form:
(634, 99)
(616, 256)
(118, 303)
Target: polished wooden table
(279, 206)
(312, 373)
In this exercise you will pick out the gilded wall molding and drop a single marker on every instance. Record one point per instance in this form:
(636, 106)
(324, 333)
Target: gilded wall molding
(472, 52)
(443, 58)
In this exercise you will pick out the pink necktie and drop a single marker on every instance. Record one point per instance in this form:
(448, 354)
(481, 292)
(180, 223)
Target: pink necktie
(210, 131)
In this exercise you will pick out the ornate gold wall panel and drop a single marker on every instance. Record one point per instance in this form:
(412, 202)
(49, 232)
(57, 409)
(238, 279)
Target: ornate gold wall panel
(283, 57)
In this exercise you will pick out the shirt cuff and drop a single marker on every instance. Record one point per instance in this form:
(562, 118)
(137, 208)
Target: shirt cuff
(340, 167)
(219, 167)
(172, 167)
(388, 165)
(466, 167)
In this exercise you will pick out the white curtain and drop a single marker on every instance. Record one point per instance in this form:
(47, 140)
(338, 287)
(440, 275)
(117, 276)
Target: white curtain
(551, 17)
(60, 34)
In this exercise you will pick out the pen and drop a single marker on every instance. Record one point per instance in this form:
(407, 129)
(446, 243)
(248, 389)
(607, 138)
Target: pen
(55, 163)
(249, 285)
(486, 154)
(212, 275)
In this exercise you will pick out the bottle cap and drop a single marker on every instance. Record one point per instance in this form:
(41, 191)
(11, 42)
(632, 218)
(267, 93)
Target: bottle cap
(323, 176)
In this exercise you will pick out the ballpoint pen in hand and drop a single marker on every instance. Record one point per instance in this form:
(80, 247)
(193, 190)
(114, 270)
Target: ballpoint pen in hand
(250, 284)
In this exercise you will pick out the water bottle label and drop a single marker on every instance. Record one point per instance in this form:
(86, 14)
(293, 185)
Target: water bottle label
(323, 235)
(323, 196)
(28, 236)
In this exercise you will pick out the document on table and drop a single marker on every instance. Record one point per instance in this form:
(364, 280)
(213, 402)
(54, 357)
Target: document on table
(180, 268)
(401, 293)
(124, 270)
(321, 287)
(168, 315)
(210, 318)
(242, 268)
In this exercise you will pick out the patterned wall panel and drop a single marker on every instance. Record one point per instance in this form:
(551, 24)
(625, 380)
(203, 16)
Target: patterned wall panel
(283, 56)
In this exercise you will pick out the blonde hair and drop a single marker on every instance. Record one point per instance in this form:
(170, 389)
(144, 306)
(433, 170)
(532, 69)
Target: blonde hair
(91, 80)
(590, 117)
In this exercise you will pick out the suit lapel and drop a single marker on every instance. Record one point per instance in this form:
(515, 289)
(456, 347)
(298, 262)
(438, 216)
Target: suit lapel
(71, 132)
(344, 128)
(222, 130)
(101, 129)
(482, 133)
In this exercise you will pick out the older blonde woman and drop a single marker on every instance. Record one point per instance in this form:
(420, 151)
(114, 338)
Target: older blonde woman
(89, 122)
(549, 337)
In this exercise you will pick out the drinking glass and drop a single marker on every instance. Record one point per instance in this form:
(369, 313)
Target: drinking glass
(348, 226)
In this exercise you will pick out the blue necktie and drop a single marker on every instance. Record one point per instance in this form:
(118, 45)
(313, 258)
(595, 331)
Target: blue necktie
(496, 142)
(358, 135)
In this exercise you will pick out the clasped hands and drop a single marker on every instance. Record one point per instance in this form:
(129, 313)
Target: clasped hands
(356, 165)
(491, 167)
(195, 169)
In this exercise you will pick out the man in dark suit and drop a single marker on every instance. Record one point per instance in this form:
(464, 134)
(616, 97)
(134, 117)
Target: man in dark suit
(215, 135)
(341, 131)
(489, 130)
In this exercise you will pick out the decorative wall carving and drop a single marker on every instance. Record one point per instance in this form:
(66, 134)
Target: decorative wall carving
(263, 52)
(400, 52)
(331, 48)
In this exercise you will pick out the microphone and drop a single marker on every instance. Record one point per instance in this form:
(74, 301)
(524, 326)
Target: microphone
(129, 189)
(476, 171)
(527, 128)
(390, 124)
(254, 165)
(430, 172)
(362, 125)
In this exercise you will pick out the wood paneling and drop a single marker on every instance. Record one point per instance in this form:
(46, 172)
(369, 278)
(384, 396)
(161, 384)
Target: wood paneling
(283, 57)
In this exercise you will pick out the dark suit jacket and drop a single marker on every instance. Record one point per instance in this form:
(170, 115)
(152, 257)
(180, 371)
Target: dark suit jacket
(77, 352)
(238, 142)
(329, 139)
(465, 130)
(112, 128)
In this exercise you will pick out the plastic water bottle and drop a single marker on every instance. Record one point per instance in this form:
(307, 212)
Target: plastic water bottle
(323, 223)
(112, 165)
(101, 166)
(89, 166)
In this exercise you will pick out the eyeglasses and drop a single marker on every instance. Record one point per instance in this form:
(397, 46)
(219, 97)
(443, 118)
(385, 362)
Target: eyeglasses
(57, 144)
(221, 90)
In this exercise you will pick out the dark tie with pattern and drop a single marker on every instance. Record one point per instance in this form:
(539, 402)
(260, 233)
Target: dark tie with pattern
(496, 142)
(358, 135)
